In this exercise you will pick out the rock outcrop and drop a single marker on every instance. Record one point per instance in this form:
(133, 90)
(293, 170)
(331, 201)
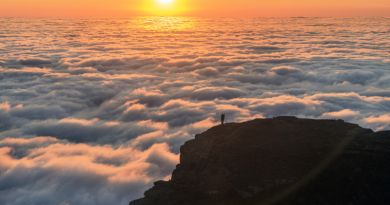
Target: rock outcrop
(284, 160)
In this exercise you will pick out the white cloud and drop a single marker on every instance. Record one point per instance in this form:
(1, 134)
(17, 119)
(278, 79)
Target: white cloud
(114, 105)
(53, 172)
(346, 114)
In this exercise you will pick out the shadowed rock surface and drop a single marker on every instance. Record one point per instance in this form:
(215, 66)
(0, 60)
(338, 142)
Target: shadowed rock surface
(280, 161)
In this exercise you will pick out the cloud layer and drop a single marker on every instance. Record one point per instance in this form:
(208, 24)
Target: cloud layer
(94, 111)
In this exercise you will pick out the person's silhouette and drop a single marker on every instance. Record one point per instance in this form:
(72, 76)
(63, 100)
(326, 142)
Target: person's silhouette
(223, 119)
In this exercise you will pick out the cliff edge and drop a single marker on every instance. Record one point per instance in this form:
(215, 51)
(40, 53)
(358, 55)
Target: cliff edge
(279, 161)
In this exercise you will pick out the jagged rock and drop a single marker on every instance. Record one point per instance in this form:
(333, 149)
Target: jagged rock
(284, 160)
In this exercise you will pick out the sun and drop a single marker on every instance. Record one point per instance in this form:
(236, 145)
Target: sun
(164, 7)
(165, 2)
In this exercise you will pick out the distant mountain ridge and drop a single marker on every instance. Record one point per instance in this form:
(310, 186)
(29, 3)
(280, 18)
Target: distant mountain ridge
(284, 160)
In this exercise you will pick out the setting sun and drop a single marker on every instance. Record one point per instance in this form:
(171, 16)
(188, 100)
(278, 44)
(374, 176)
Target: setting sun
(165, 2)
(165, 7)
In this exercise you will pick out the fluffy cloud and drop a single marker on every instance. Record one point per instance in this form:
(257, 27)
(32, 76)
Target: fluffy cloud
(345, 114)
(5, 106)
(91, 130)
(5, 120)
(207, 72)
(28, 62)
(97, 118)
(380, 122)
(108, 64)
(210, 93)
(78, 173)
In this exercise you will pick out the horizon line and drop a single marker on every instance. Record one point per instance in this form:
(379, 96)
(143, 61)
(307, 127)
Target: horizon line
(191, 16)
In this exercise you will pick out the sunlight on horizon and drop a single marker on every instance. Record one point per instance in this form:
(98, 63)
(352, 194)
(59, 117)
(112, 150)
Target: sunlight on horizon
(198, 8)
(165, 7)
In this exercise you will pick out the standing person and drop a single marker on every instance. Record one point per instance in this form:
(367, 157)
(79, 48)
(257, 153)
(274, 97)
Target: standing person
(223, 118)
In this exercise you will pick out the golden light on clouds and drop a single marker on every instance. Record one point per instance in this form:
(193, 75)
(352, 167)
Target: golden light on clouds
(165, 23)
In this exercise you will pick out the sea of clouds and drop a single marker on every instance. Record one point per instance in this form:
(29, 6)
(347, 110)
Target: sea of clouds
(92, 112)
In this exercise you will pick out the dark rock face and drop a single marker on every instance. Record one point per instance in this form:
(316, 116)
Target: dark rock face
(284, 160)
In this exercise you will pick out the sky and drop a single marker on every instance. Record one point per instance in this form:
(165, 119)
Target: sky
(250, 8)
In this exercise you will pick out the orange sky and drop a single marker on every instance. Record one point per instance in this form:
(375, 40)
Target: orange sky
(124, 8)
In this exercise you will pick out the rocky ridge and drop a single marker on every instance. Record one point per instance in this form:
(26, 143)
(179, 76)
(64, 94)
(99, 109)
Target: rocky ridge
(284, 160)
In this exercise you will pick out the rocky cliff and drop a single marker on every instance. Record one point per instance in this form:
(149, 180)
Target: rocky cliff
(284, 160)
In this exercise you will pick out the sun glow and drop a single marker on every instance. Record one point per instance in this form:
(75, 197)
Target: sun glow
(165, 7)
(165, 2)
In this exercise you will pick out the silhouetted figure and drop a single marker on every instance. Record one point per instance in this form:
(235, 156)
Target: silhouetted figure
(223, 119)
